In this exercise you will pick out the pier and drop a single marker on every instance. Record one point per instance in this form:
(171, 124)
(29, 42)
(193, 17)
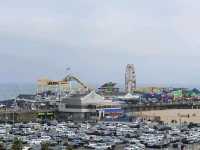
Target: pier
(160, 106)
(11, 115)
(23, 115)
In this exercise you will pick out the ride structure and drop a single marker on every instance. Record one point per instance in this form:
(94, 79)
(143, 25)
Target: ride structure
(130, 78)
(60, 87)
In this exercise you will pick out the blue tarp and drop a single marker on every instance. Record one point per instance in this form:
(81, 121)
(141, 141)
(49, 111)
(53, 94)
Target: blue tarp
(113, 110)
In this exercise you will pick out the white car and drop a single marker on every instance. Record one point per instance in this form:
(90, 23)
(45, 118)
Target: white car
(133, 147)
(102, 146)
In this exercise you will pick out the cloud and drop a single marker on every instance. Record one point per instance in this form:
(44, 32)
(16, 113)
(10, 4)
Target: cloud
(98, 38)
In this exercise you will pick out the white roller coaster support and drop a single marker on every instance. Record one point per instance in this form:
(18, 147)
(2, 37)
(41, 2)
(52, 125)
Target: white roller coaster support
(73, 78)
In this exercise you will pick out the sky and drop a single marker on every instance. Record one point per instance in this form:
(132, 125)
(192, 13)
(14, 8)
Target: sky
(97, 39)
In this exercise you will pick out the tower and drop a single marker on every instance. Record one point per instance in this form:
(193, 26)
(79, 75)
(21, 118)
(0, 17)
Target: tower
(130, 78)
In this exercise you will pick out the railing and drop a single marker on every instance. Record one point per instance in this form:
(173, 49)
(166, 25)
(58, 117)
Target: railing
(2, 111)
(176, 105)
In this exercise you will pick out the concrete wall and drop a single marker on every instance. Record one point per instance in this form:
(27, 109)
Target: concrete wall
(62, 108)
(77, 110)
(64, 116)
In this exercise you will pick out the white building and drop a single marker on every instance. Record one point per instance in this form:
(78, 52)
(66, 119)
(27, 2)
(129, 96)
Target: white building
(90, 106)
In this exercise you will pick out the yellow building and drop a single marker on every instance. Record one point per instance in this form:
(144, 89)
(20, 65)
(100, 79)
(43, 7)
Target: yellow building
(46, 85)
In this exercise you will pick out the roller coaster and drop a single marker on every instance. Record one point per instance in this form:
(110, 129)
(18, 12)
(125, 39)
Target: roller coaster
(70, 78)
(61, 85)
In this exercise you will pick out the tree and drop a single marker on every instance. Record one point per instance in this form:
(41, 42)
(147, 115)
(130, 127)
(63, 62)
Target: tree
(45, 146)
(2, 146)
(69, 148)
(17, 144)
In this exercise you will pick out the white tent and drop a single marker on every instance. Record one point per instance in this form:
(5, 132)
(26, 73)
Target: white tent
(96, 99)
(129, 96)
(92, 98)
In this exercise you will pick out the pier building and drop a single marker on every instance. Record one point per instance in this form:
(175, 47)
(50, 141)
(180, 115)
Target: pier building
(87, 106)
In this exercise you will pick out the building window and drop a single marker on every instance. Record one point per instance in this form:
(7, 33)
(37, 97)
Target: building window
(91, 107)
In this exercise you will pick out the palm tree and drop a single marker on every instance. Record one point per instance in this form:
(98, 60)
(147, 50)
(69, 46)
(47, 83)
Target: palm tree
(2, 146)
(17, 144)
(44, 146)
(69, 148)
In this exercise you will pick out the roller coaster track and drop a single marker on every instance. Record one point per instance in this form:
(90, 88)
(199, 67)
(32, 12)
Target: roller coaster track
(73, 78)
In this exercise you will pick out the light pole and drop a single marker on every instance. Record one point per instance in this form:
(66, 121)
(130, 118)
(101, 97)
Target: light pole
(14, 112)
(68, 73)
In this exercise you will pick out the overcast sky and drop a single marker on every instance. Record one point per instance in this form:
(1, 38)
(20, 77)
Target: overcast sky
(97, 38)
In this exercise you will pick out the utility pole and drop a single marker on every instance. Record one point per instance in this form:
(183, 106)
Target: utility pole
(6, 117)
(15, 108)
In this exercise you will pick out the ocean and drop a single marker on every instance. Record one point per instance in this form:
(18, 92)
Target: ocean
(11, 90)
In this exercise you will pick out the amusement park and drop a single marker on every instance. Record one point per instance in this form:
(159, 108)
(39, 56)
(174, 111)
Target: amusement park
(68, 113)
(72, 99)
